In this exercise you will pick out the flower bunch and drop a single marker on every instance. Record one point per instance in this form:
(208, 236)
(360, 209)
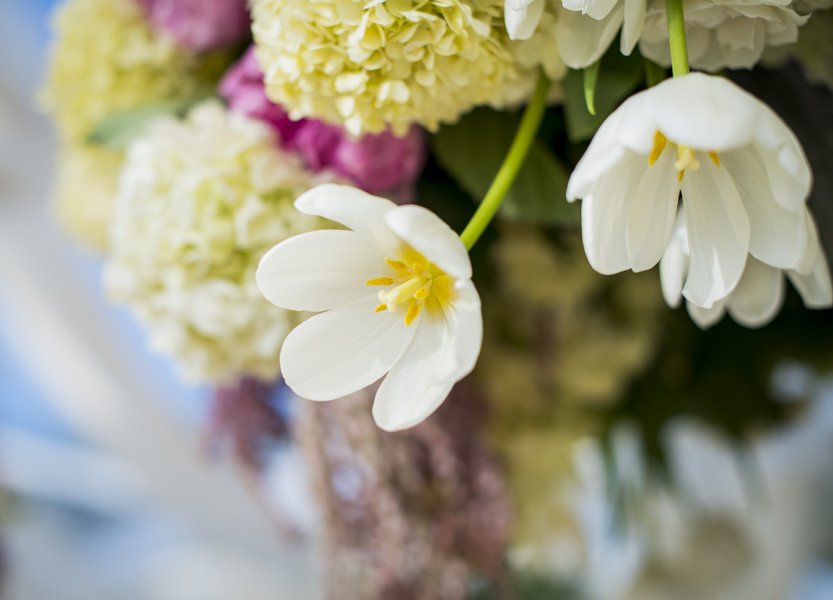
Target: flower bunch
(199, 203)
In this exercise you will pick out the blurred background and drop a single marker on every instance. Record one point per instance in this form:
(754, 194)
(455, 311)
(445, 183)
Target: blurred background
(111, 491)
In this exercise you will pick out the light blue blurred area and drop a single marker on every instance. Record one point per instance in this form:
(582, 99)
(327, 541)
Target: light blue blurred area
(100, 442)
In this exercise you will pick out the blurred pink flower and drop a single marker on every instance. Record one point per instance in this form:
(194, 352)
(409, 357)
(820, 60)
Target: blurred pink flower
(379, 164)
(200, 25)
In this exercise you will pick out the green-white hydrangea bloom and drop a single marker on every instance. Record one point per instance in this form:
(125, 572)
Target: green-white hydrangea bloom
(199, 203)
(106, 59)
(374, 65)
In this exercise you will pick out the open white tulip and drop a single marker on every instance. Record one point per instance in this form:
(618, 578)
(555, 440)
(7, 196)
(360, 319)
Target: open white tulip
(522, 17)
(740, 171)
(395, 296)
(760, 292)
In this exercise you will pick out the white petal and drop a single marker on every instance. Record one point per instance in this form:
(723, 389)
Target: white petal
(343, 350)
(651, 213)
(581, 39)
(522, 21)
(634, 21)
(431, 236)
(705, 317)
(602, 155)
(353, 208)
(814, 286)
(759, 295)
(414, 389)
(673, 268)
(777, 234)
(718, 234)
(465, 323)
(599, 9)
(319, 270)
(700, 111)
(604, 216)
(787, 166)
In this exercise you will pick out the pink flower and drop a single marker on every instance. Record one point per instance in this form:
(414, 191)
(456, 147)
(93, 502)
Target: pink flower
(200, 25)
(379, 164)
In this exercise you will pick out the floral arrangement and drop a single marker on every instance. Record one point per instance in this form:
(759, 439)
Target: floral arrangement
(376, 201)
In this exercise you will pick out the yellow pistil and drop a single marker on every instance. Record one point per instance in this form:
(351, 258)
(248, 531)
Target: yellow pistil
(420, 286)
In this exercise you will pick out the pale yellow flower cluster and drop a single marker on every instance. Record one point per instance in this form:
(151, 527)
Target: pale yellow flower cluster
(106, 59)
(369, 65)
(199, 203)
(85, 191)
(562, 344)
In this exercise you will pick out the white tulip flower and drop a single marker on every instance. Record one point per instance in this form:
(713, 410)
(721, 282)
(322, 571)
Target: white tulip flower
(740, 171)
(522, 17)
(760, 292)
(586, 28)
(395, 296)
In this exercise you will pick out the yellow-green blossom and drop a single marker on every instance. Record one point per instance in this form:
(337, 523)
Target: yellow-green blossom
(106, 59)
(199, 203)
(84, 193)
(370, 65)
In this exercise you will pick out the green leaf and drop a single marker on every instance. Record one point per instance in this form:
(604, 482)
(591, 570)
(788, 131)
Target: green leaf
(618, 76)
(119, 129)
(591, 78)
(472, 151)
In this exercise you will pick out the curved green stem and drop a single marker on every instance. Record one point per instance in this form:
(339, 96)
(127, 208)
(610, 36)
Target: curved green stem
(524, 137)
(676, 37)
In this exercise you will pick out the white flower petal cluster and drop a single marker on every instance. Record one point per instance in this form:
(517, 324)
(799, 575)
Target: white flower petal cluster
(720, 33)
(395, 296)
(760, 291)
(723, 33)
(370, 65)
(742, 176)
(199, 203)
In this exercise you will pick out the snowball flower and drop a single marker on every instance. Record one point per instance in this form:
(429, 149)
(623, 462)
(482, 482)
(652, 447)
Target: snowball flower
(378, 163)
(522, 17)
(200, 201)
(370, 66)
(742, 175)
(107, 59)
(760, 292)
(395, 297)
(200, 25)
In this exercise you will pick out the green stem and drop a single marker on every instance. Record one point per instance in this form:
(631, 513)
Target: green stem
(524, 137)
(676, 37)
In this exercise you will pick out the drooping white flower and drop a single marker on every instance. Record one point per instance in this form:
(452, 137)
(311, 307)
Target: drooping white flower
(760, 292)
(722, 33)
(395, 297)
(586, 28)
(740, 171)
(522, 17)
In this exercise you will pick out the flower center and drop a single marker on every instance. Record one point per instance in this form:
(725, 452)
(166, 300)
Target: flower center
(686, 157)
(414, 285)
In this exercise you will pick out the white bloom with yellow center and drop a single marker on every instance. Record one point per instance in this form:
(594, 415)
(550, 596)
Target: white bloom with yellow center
(522, 17)
(740, 171)
(760, 292)
(395, 297)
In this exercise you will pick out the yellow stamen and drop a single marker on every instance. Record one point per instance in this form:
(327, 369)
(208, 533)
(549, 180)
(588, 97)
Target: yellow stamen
(396, 264)
(413, 311)
(715, 158)
(380, 281)
(659, 145)
(680, 175)
(380, 308)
